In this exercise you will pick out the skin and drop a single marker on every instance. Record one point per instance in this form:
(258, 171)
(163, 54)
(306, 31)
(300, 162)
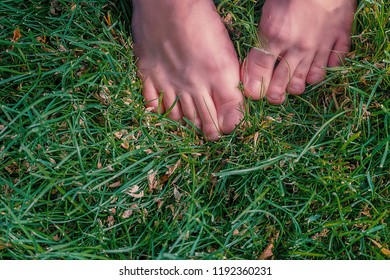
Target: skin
(188, 64)
(304, 37)
(190, 69)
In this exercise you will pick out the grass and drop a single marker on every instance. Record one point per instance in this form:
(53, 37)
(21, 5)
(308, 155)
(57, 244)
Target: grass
(87, 173)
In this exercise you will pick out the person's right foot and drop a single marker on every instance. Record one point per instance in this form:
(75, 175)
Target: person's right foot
(186, 60)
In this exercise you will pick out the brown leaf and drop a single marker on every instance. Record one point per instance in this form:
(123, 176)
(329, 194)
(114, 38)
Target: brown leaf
(127, 214)
(134, 192)
(115, 185)
(118, 135)
(172, 169)
(386, 252)
(255, 137)
(177, 194)
(319, 235)
(107, 19)
(152, 182)
(125, 145)
(4, 245)
(17, 35)
(110, 221)
(267, 253)
(383, 249)
(42, 40)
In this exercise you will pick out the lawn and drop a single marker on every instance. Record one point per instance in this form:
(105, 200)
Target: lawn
(86, 172)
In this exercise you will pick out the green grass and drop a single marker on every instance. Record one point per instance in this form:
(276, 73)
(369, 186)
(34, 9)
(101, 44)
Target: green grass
(87, 173)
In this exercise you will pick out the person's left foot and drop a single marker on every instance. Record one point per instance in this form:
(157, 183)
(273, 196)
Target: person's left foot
(305, 36)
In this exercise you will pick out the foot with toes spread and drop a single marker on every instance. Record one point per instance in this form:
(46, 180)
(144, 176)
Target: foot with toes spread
(190, 69)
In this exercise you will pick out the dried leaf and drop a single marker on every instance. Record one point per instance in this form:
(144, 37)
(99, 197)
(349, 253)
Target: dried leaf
(149, 109)
(125, 145)
(115, 185)
(152, 180)
(107, 19)
(110, 221)
(118, 135)
(173, 168)
(17, 35)
(127, 214)
(42, 40)
(159, 203)
(61, 48)
(319, 235)
(134, 192)
(255, 137)
(267, 253)
(383, 249)
(177, 194)
(4, 245)
(104, 95)
(163, 179)
(386, 252)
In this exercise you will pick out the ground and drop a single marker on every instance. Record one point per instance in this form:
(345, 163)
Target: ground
(86, 172)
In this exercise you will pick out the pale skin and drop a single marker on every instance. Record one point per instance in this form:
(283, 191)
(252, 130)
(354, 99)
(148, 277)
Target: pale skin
(190, 69)
(305, 36)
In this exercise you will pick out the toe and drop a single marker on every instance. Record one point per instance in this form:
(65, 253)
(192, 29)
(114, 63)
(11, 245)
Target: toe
(228, 102)
(317, 69)
(276, 93)
(208, 114)
(341, 49)
(297, 83)
(151, 96)
(189, 110)
(172, 105)
(256, 73)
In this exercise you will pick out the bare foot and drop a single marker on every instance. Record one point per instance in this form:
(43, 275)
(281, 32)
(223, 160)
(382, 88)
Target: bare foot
(187, 63)
(305, 36)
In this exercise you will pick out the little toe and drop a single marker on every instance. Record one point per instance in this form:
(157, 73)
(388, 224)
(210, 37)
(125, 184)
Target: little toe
(256, 73)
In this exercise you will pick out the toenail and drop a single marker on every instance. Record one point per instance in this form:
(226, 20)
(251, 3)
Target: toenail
(315, 78)
(274, 99)
(296, 89)
(256, 88)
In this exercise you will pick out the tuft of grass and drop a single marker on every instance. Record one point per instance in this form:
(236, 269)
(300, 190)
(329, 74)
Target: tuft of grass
(87, 173)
